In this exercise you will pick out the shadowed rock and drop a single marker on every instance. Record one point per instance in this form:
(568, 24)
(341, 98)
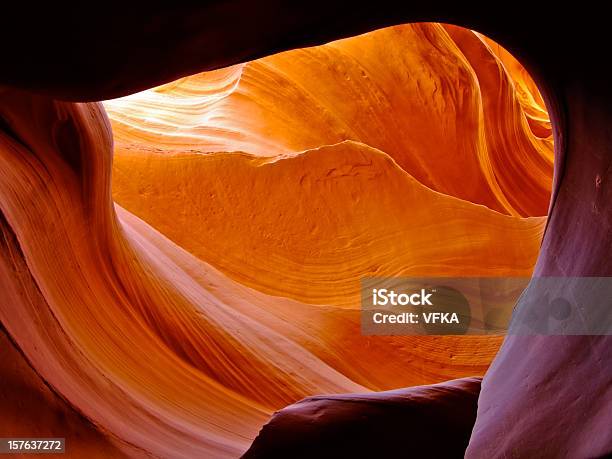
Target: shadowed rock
(434, 420)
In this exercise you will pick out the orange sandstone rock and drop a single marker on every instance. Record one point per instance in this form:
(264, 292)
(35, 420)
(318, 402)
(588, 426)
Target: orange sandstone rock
(223, 285)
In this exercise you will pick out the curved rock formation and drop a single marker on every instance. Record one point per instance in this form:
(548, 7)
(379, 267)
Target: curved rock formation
(423, 421)
(320, 221)
(429, 96)
(100, 313)
(128, 322)
(72, 294)
(333, 187)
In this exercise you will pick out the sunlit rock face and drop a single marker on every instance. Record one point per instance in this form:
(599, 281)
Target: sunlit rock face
(345, 159)
(431, 97)
(223, 283)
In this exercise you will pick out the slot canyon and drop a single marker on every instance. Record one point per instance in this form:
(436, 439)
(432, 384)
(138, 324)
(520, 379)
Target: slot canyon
(191, 196)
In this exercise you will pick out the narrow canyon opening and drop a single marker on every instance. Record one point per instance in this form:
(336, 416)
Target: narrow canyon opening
(416, 150)
(247, 204)
(197, 306)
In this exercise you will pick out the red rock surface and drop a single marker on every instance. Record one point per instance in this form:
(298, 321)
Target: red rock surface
(340, 157)
(534, 395)
(118, 319)
(31, 409)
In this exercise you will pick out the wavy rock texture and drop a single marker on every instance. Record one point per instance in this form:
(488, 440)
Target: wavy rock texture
(419, 102)
(318, 222)
(223, 285)
(431, 97)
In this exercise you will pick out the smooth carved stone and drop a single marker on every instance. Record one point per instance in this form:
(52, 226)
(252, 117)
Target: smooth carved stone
(422, 421)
